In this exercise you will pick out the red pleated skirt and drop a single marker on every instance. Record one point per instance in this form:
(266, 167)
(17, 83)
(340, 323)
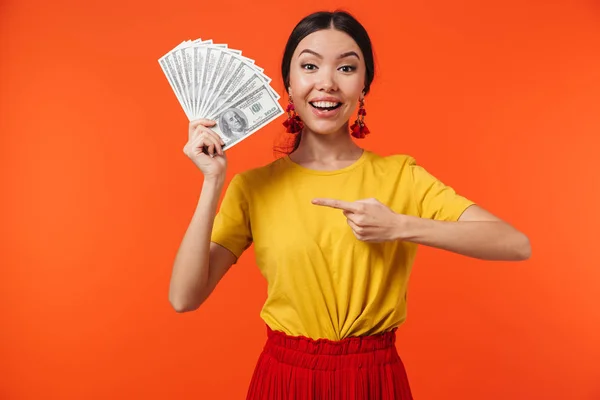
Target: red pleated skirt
(299, 368)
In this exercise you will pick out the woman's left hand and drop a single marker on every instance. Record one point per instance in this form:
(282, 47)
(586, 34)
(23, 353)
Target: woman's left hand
(370, 220)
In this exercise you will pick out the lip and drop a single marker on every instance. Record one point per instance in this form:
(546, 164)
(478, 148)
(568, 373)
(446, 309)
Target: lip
(330, 99)
(325, 114)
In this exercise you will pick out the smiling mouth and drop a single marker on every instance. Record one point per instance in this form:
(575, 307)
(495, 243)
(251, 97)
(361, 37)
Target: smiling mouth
(325, 105)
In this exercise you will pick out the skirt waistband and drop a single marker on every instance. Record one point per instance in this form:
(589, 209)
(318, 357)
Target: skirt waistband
(325, 354)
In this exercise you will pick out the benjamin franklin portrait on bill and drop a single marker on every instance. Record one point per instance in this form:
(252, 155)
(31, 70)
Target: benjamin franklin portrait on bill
(233, 123)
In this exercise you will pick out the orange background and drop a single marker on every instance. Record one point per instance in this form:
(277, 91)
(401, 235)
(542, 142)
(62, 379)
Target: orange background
(500, 99)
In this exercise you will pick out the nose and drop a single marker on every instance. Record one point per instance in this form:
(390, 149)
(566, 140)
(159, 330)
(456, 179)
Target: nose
(326, 81)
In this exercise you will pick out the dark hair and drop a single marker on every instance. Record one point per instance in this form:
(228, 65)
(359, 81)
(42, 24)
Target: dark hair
(338, 20)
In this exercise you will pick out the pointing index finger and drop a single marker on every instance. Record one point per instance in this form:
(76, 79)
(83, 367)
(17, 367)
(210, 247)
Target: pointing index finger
(339, 204)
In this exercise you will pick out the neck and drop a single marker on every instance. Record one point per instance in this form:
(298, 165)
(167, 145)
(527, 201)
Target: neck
(332, 147)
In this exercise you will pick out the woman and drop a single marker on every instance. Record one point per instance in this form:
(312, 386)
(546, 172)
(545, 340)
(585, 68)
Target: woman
(335, 229)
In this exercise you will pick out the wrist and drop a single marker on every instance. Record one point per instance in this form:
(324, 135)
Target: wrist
(214, 181)
(409, 228)
(212, 186)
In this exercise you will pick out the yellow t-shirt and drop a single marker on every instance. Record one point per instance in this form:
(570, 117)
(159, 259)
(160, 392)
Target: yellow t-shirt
(322, 281)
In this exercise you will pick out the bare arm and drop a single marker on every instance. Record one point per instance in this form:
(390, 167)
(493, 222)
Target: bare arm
(199, 264)
(477, 234)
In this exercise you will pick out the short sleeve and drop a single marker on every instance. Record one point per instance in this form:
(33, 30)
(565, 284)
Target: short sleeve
(231, 228)
(435, 200)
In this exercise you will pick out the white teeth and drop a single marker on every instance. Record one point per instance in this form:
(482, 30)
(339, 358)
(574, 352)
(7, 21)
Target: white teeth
(324, 104)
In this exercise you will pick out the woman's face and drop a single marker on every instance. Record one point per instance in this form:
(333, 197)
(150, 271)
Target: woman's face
(327, 78)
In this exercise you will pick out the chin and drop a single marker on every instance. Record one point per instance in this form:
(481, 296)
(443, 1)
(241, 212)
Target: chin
(324, 128)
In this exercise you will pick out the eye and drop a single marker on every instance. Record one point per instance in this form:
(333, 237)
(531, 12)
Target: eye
(309, 67)
(347, 68)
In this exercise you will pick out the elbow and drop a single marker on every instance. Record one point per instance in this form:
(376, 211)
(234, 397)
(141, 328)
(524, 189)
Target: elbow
(181, 305)
(523, 248)
(181, 308)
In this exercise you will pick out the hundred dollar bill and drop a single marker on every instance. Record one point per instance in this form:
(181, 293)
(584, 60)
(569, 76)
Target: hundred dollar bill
(242, 79)
(217, 64)
(204, 65)
(167, 64)
(185, 56)
(224, 64)
(197, 62)
(230, 79)
(210, 62)
(215, 82)
(194, 69)
(199, 58)
(246, 116)
(179, 71)
(226, 81)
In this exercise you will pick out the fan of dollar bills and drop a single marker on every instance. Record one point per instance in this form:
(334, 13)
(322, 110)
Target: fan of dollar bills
(215, 82)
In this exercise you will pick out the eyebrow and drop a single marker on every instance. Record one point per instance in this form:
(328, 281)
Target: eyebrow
(343, 55)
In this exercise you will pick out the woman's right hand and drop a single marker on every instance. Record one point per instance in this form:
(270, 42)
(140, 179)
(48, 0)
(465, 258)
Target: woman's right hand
(200, 137)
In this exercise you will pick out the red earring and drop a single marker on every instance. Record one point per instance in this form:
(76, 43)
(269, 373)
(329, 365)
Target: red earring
(359, 128)
(293, 123)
